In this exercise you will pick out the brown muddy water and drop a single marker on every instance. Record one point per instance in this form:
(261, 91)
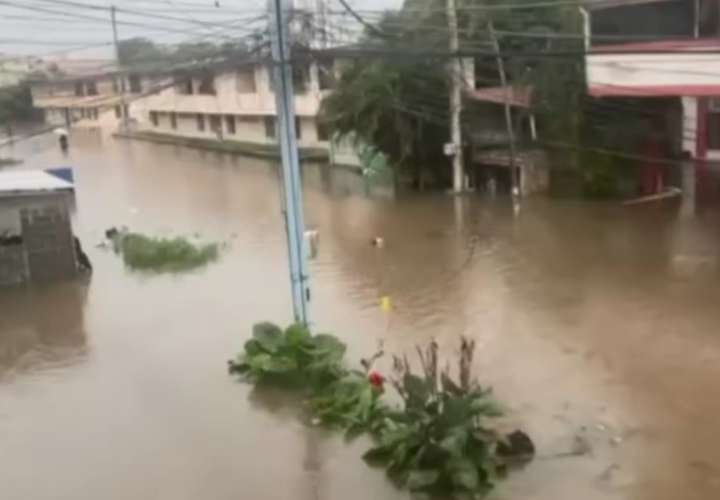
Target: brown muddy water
(597, 325)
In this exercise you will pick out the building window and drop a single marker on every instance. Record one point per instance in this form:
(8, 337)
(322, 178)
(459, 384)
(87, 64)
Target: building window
(298, 127)
(95, 113)
(91, 88)
(135, 84)
(323, 131)
(201, 122)
(82, 112)
(713, 123)
(326, 75)
(230, 124)
(118, 112)
(207, 84)
(173, 121)
(215, 123)
(154, 118)
(115, 86)
(300, 77)
(270, 131)
(79, 89)
(245, 81)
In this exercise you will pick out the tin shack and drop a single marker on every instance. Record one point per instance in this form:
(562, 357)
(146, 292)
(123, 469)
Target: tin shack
(36, 238)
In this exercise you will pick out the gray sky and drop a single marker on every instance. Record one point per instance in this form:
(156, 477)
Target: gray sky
(49, 27)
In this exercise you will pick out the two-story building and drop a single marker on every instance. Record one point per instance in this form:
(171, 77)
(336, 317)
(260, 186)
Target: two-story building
(234, 102)
(660, 56)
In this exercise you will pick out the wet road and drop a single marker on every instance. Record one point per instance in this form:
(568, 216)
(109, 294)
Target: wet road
(597, 324)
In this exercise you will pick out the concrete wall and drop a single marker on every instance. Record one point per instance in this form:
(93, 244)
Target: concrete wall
(47, 250)
(648, 71)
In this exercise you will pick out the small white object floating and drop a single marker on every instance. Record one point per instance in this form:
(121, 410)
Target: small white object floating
(377, 242)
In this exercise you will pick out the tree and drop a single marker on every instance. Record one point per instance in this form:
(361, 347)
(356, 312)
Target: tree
(400, 105)
(139, 50)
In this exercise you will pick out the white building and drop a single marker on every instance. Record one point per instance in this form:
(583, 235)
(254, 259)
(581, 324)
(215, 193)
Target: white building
(233, 102)
(675, 71)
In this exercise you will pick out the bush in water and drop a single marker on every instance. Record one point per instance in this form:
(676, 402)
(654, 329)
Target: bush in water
(162, 254)
(439, 440)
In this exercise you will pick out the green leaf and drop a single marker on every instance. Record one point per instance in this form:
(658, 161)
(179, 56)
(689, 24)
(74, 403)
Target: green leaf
(297, 334)
(464, 475)
(455, 442)
(417, 388)
(378, 455)
(420, 479)
(487, 407)
(281, 365)
(269, 336)
(253, 347)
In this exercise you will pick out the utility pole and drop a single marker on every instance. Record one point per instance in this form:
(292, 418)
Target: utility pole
(292, 181)
(508, 110)
(456, 75)
(121, 86)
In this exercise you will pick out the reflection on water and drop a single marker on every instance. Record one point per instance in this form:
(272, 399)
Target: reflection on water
(41, 328)
(595, 322)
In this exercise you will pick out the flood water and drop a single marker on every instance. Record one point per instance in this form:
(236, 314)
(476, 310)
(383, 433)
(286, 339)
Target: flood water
(597, 325)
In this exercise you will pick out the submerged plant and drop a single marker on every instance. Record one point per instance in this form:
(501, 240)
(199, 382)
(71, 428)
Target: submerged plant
(440, 440)
(162, 254)
(293, 356)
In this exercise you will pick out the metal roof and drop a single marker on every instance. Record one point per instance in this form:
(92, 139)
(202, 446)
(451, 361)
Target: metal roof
(30, 182)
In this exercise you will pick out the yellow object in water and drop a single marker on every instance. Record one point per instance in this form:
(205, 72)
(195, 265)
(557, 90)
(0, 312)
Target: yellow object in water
(385, 304)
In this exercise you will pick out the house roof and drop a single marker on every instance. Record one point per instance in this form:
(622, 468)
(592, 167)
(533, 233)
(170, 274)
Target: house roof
(17, 182)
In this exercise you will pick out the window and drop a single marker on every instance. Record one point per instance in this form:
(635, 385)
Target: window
(207, 84)
(173, 121)
(154, 118)
(79, 89)
(91, 88)
(118, 112)
(245, 81)
(115, 86)
(323, 131)
(298, 127)
(300, 78)
(215, 123)
(230, 124)
(135, 84)
(95, 113)
(200, 122)
(82, 112)
(270, 131)
(326, 75)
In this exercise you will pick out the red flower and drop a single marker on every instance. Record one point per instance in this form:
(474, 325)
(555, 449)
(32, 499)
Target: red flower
(376, 380)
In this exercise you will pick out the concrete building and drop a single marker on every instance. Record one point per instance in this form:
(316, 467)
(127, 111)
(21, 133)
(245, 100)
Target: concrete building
(36, 239)
(674, 75)
(99, 100)
(235, 102)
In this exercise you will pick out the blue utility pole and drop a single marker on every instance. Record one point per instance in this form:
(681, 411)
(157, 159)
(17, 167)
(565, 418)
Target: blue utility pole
(292, 181)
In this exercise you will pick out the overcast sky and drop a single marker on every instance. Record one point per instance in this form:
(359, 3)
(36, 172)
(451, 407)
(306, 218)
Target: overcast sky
(51, 27)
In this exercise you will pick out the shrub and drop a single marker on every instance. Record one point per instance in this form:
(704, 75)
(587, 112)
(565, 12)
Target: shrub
(160, 254)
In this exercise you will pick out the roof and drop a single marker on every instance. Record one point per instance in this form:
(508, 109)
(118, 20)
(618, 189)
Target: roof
(515, 96)
(30, 182)
(607, 90)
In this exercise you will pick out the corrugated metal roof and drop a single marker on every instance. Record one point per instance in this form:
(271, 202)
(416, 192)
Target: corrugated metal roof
(609, 4)
(30, 181)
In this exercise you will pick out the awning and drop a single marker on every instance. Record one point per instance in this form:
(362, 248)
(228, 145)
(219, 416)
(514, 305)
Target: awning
(515, 96)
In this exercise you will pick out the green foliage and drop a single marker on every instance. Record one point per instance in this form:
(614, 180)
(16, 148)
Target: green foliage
(16, 105)
(438, 441)
(163, 254)
(350, 403)
(140, 52)
(293, 356)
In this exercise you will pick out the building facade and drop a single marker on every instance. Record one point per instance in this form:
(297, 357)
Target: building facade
(661, 53)
(234, 103)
